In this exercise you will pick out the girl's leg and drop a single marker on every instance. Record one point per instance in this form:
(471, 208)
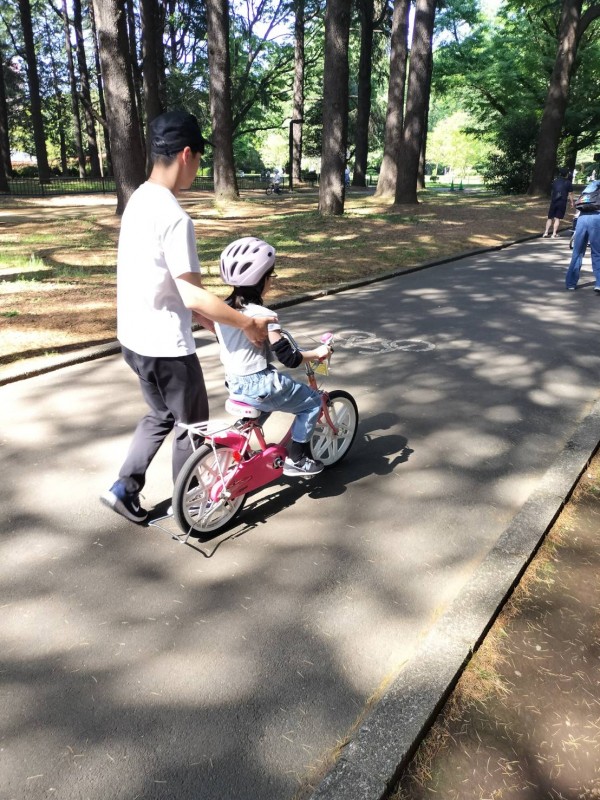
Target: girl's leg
(299, 399)
(276, 391)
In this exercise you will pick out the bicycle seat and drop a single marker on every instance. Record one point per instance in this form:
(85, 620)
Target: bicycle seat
(241, 410)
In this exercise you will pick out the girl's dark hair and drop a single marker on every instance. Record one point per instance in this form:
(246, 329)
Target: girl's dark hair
(242, 295)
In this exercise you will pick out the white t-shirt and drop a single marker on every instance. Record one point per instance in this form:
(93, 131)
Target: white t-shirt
(238, 355)
(156, 244)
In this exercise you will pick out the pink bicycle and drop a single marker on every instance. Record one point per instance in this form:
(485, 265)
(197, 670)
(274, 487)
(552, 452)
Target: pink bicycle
(212, 487)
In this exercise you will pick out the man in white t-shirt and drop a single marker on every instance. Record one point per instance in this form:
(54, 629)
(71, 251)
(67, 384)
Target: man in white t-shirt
(159, 294)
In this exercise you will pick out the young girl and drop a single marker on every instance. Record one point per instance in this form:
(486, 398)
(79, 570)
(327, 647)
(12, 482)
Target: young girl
(248, 266)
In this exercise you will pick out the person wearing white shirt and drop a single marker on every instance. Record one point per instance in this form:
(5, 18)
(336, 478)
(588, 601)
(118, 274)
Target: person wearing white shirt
(159, 294)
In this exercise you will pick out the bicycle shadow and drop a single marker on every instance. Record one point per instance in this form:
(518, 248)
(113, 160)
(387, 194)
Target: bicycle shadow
(371, 454)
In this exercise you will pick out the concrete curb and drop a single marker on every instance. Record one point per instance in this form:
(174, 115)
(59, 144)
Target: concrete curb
(39, 366)
(373, 760)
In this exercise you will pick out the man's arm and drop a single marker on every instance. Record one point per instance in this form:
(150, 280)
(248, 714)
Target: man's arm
(204, 321)
(202, 302)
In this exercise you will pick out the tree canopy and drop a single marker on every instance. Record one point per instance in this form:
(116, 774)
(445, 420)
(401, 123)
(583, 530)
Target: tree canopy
(509, 93)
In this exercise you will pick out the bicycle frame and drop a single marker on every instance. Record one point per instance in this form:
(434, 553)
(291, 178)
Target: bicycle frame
(255, 468)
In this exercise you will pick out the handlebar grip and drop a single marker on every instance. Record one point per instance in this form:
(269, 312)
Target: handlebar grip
(327, 338)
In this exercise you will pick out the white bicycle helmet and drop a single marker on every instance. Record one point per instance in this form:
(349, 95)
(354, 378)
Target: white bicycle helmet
(245, 261)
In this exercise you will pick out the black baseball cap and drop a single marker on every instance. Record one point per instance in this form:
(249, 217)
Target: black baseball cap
(172, 131)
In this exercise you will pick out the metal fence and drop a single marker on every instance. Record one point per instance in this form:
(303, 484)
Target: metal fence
(31, 186)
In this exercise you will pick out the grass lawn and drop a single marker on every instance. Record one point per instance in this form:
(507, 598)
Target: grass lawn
(58, 255)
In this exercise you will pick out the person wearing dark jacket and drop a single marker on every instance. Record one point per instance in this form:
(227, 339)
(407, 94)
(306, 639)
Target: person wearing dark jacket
(561, 194)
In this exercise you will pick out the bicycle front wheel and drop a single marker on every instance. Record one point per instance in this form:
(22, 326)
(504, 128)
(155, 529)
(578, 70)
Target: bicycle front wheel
(330, 447)
(193, 507)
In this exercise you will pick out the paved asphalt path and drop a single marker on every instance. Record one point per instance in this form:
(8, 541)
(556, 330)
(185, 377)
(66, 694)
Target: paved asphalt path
(137, 667)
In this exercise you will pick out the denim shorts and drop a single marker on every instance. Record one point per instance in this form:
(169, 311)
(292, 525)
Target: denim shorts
(270, 390)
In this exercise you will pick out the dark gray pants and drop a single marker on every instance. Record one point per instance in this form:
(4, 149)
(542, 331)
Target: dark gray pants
(175, 392)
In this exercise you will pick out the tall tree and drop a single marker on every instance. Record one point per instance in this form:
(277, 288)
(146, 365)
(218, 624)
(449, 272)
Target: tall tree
(126, 145)
(217, 18)
(153, 57)
(416, 102)
(368, 24)
(73, 85)
(85, 96)
(59, 100)
(335, 107)
(33, 80)
(388, 174)
(100, 85)
(570, 32)
(136, 72)
(298, 90)
(423, 151)
(6, 166)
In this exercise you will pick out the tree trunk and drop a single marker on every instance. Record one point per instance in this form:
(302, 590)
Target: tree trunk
(363, 110)
(4, 187)
(416, 102)
(423, 151)
(60, 104)
(84, 78)
(121, 112)
(100, 85)
(153, 63)
(335, 107)
(37, 120)
(5, 162)
(73, 87)
(172, 33)
(136, 72)
(556, 100)
(298, 106)
(388, 174)
(217, 19)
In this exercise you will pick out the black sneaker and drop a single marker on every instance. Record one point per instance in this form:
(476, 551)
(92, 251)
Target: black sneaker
(304, 467)
(125, 503)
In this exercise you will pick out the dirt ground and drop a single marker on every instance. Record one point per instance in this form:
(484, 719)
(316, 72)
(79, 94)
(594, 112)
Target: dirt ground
(524, 720)
(57, 257)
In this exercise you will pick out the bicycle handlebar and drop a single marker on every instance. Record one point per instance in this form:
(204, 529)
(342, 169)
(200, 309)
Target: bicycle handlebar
(326, 338)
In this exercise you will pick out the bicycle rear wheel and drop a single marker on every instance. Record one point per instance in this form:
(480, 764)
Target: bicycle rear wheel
(193, 507)
(330, 447)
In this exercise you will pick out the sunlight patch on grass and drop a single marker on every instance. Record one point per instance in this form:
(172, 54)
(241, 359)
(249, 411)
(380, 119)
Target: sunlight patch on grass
(15, 261)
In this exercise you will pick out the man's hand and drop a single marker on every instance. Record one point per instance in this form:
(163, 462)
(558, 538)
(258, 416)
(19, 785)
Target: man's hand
(256, 329)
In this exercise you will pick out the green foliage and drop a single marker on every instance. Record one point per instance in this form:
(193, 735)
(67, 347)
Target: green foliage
(450, 144)
(247, 157)
(498, 70)
(509, 170)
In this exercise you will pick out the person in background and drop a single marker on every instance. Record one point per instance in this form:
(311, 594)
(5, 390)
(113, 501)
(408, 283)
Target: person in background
(561, 194)
(587, 231)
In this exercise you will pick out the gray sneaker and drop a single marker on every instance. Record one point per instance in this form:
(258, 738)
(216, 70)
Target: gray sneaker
(305, 467)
